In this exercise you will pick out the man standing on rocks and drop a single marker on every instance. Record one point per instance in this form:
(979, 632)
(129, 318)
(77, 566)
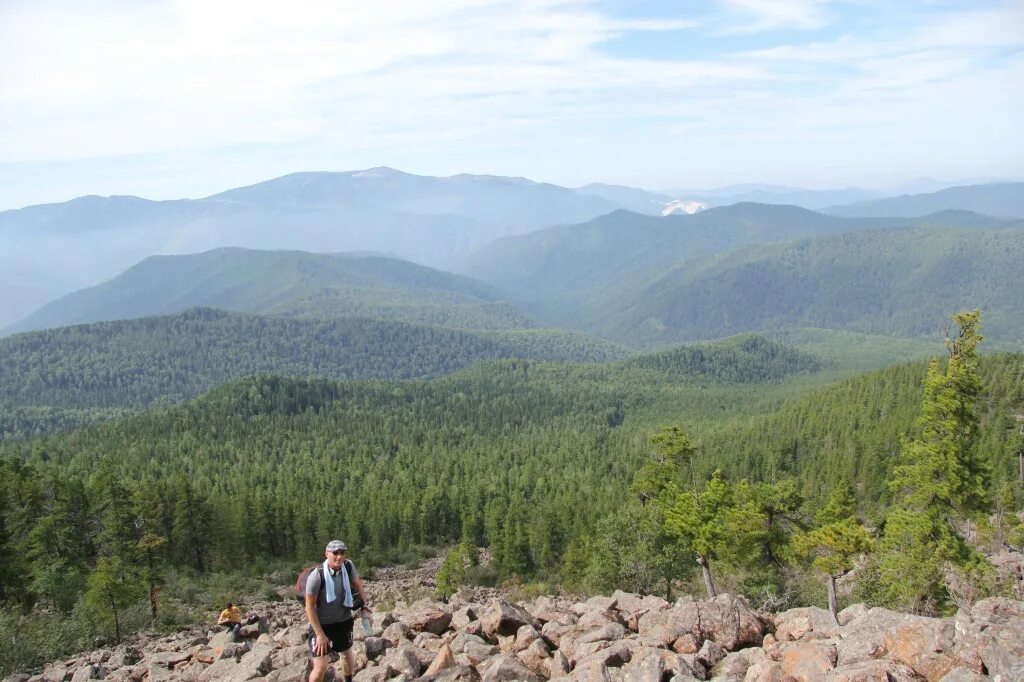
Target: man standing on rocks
(329, 600)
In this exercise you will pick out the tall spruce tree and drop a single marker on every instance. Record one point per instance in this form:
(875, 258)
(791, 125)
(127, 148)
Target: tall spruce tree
(117, 581)
(939, 482)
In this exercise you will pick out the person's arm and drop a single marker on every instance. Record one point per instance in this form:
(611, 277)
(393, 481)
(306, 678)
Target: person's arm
(323, 646)
(358, 585)
(223, 618)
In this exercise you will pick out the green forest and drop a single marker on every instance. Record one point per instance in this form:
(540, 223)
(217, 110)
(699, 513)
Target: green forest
(556, 467)
(70, 375)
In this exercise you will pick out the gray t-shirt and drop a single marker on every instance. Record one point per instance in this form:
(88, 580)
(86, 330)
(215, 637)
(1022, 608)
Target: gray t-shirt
(333, 612)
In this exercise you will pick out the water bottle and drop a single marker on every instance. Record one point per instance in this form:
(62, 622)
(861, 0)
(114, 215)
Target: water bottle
(367, 627)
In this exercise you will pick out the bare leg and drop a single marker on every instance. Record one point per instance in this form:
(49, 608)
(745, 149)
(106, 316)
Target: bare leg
(320, 664)
(348, 663)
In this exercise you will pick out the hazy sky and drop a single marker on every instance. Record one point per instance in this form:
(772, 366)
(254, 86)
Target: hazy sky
(171, 98)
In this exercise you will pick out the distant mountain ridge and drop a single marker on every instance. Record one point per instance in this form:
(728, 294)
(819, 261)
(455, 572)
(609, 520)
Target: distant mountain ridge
(1000, 199)
(54, 249)
(292, 283)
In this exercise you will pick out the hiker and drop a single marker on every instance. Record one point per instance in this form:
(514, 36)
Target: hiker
(231, 619)
(332, 591)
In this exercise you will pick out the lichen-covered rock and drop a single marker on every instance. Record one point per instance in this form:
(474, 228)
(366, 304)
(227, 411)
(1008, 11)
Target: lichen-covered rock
(503, 618)
(924, 644)
(991, 634)
(808, 661)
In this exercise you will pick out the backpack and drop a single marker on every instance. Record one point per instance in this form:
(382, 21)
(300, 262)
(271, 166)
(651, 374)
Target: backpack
(300, 584)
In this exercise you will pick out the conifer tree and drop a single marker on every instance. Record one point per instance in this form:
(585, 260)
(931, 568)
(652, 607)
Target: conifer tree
(833, 548)
(715, 525)
(939, 482)
(117, 580)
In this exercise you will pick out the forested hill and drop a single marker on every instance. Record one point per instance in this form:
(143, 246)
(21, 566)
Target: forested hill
(573, 261)
(851, 431)
(139, 363)
(293, 283)
(893, 282)
(743, 359)
(519, 456)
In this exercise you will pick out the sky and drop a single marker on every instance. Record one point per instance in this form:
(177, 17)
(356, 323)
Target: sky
(185, 98)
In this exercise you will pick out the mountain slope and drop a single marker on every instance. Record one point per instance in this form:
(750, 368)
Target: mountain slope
(894, 282)
(290, 283)
(575, 259)
(433, 220)
(561, 265)
(1001, 200)
(158, 360)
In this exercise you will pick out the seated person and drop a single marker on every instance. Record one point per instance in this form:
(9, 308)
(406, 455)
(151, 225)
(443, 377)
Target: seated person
(231, 618)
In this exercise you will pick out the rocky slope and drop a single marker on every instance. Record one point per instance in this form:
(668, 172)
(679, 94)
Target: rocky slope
(622, 637)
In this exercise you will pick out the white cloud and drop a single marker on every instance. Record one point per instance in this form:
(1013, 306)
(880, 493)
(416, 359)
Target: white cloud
(225, 89)
(771, 14)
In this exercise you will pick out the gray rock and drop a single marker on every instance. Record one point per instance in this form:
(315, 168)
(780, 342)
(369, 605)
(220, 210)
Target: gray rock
(86, 672)
(502, 618)
(507, 668)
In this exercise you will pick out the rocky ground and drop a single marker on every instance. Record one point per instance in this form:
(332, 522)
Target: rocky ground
(482, 635)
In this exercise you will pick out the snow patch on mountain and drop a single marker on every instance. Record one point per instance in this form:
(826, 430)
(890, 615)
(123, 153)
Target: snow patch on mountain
(677, 206)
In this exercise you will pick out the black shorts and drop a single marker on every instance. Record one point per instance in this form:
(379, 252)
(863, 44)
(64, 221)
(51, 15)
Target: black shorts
(340, 635)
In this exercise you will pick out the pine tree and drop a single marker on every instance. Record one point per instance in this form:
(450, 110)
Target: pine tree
(940, 481)
(834, 548)
(715, 525)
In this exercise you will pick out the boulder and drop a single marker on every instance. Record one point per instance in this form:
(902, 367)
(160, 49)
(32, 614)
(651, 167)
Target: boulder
(595, 604)
(872, 671)
(426, 616)
(403, 659)
(506, 668)
(852, 613)
(961, 674)
(808, 661)
(646, 665)
(614, 655)
(502, 618)
(605, 633)
(375, 647)
(861, 644)
(924, 644)
(804, 623)
(458, 673)
(991, 634)
(559, 664)
(296, 670)
(55, 672)
(764, 671)
(537, 657)
(396, 633)
(710, 654)
(668, 625)
(86, 672)
(374, 673)
(462, 617)
(626, 602)
(729, 620)
(526, 636)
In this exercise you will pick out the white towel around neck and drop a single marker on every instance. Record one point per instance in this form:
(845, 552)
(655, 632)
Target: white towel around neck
(330, 588)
